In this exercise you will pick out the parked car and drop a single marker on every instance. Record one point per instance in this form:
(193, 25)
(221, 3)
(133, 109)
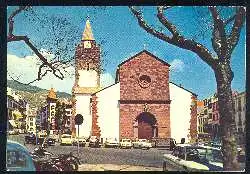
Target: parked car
(164, 143)
(82, 141)
(186, 157)
(21, 131)
(18, 157)
(30, 139)
(66, 139)
(125, 143)
(51, 141)
(12, 132)
(142, 143)
(94, 141)
(111, 142)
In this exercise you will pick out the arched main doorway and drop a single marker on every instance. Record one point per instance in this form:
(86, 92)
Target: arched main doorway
(145, 126)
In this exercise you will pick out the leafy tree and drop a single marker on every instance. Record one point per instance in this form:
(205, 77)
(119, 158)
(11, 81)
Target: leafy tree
(225, 37)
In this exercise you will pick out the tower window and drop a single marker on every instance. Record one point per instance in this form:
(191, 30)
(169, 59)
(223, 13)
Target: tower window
(87, 66)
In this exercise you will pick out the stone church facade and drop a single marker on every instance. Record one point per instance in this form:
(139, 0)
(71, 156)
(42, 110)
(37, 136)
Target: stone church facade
(141, 104)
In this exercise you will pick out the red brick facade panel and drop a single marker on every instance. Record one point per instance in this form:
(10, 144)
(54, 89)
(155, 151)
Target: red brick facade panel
(193, 120)
(95, 128)
(144, 78)
(129, 113)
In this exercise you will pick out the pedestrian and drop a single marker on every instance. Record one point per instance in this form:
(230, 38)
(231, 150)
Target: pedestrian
(172, 144)
(182, 140)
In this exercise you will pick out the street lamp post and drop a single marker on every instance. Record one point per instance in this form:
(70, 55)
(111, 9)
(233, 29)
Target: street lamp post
(78, 121)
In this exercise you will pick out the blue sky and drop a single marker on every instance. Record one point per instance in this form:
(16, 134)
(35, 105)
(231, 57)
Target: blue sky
(124, 38)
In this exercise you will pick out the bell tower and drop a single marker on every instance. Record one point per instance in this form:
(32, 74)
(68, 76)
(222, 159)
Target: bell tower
(87, 60)
(87, 78)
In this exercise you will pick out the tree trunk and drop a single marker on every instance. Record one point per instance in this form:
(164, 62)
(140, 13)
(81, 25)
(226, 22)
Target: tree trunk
(224, 76)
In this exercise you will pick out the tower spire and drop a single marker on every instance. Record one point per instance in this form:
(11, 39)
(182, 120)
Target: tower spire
(87, 34)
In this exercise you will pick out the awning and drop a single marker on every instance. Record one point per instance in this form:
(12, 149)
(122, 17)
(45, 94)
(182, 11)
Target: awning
(12, 123)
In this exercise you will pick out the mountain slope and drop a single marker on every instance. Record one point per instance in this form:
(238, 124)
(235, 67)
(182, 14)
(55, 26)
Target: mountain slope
(35, 96)
(16, 86)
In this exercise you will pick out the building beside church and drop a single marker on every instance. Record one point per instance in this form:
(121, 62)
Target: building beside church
(45, 119)
(142, 103)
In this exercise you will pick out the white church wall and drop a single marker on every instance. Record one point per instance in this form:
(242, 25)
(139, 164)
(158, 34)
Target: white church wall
(108, 111)
(180, 113)
(83, 107)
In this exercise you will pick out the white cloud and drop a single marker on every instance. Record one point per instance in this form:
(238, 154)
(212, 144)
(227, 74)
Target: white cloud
(107, 79)
(26, 70)
(177, 65)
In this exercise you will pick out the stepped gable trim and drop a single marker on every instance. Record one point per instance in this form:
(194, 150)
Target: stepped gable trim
(184, 88)
(147, 52)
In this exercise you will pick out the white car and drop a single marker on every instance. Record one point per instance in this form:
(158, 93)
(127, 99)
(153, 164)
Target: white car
(82, 141)
(142, 143)
(66, 139)
(111, 142)
(125, 143)
(11, 132)
(186, 157)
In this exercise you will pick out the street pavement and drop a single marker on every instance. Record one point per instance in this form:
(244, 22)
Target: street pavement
(113, 156)
(113, 167)
(109, 159)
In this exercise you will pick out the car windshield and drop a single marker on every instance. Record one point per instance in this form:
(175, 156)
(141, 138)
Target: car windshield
(126, 140)
(66, 136)
(214, 155)
(195, 153)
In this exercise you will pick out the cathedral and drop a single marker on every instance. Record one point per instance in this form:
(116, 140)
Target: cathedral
(142, 103)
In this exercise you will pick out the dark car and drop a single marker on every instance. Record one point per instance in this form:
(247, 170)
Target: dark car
(51, 141)
(164, 143)
(30, 139)
(94, 142)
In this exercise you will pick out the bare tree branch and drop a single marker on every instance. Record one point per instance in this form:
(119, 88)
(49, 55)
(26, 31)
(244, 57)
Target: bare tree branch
(219, 40)
(148, 28)
(238, 24)
(176, 40)
(229, 20)
(166, 22)
(11, 37)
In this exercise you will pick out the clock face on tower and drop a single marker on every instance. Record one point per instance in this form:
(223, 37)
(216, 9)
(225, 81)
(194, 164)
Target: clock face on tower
(87, 44)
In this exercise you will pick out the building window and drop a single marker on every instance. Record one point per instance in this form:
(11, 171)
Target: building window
(205, 112)
(239, 104)
(239, 129)
(31, 123)
(31, 119)
(209, 105)
(210, 116)
(240, 121)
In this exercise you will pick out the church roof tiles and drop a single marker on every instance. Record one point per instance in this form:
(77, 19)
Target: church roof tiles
(147, 52)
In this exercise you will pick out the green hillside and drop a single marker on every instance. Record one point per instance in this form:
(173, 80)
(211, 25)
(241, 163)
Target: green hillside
(35, 96)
